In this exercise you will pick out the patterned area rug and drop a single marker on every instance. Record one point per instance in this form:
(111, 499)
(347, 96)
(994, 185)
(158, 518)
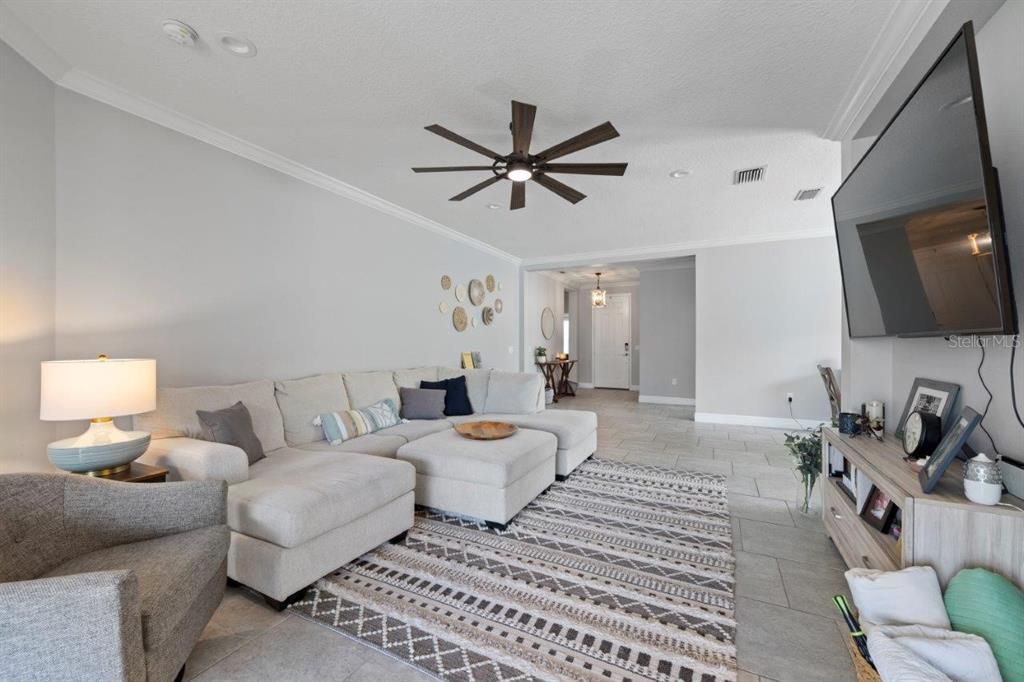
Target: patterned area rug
(623, 572)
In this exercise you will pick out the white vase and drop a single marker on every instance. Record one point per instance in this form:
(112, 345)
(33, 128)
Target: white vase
(541, 359)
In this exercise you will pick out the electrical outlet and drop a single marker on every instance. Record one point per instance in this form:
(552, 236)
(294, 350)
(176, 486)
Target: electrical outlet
(789, 397)
(674, 381)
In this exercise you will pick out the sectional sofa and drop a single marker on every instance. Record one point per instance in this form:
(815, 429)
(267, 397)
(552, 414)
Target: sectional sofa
(309, 507)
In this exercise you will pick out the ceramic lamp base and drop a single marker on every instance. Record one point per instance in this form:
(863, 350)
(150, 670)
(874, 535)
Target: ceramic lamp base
(102, 450)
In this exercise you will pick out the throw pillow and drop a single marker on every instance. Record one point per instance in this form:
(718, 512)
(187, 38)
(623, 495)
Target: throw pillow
(908, 597)
(422, 403)
(232, 426)
(456, 398)
(342, 426)
(988, 605)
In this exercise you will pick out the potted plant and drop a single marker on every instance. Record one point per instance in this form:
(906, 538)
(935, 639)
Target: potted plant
(805, 448)
(540, 354)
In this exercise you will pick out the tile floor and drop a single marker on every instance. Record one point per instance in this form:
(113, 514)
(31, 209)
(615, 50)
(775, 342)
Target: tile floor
(786, 568)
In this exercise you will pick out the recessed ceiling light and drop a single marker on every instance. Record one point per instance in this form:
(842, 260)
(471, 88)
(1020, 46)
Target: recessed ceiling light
(493, 206)
(180, 32)
(679, 173)
(236, 45)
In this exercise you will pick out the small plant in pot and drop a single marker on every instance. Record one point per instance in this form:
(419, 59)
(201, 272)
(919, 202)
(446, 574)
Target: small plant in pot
(540, 353)
(805, 447)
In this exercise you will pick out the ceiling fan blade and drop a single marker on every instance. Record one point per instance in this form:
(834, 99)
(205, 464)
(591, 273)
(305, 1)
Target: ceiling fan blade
(476, 188)
(459, 139)
(518, 196)
(602, 133)
(445, 169)
(562, 190)
(522, 126)
(585, 168)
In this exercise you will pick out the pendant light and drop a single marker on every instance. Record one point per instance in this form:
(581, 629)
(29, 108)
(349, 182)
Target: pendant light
(599, 297)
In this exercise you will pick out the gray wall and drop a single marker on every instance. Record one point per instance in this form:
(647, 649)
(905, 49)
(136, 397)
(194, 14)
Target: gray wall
(885, 368)
(585, 333)
(27, 245)
(224, 270)
(539, 292)
(767, 314)
(668, 322)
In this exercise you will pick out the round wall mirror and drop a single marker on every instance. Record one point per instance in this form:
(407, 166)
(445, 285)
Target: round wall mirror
(547, 323)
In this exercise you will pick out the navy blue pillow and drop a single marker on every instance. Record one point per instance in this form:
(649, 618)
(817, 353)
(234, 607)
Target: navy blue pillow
(456, 397)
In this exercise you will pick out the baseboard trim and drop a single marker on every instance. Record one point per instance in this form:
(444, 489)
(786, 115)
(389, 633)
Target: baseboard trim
(666, 400)
(584, 385)
(751, 420)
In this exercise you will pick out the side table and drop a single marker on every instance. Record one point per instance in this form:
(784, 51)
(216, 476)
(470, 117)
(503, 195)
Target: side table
(137, 473)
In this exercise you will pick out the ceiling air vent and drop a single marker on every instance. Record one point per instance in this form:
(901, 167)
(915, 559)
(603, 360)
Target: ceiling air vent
(806, 194)
(742, 177)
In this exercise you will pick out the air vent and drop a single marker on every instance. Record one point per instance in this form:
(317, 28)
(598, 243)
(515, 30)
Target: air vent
(807, 194)
(742, 177)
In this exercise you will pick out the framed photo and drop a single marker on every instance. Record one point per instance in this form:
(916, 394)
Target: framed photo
(933, 397)
(879, 511)
(948, 449)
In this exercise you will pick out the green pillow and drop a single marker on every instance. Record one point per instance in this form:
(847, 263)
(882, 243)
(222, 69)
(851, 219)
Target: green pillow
(982, 603)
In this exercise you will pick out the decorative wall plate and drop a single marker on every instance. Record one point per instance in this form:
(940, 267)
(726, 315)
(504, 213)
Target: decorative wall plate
(443, 307)
(488, 315)
(459, 318)
(490, 282)
(460, 292)
(446, 282)
(473, 321)
(499, 305)
(476, 292)
(547, 323)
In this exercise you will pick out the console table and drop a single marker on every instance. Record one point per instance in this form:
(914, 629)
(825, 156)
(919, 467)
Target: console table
(943, 529)
(556, 377)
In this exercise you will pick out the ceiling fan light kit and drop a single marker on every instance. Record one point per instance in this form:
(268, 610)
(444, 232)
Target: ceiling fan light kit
(520, 166)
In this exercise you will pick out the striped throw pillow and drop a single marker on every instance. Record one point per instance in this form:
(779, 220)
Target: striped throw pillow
(342, 426)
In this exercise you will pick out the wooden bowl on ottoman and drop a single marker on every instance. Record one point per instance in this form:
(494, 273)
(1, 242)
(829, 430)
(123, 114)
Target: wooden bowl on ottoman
(486, 430)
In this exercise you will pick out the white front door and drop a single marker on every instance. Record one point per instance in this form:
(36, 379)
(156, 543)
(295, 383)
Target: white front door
(613, 343)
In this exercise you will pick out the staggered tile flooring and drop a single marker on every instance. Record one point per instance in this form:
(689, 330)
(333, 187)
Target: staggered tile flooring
(786, 568)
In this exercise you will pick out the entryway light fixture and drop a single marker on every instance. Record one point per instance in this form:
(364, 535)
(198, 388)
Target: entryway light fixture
(599, 297)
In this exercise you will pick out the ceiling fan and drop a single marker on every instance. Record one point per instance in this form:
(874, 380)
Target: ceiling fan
(520, 165)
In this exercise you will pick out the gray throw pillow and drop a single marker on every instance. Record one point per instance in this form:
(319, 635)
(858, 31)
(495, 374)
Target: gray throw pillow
(422, 403)
(232, 426)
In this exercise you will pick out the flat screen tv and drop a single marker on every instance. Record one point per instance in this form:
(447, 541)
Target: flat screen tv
(919, 221)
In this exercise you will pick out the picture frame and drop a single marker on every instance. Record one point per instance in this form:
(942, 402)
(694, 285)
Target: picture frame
(929, 395)
(879, 510)
(467, 361)
(948, 449)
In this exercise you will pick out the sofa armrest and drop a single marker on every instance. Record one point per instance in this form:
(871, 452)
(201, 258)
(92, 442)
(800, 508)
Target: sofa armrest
(77, 627)
(190, 459)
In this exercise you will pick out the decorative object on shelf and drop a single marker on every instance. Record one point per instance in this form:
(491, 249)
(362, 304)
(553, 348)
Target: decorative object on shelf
(499, 305)
(850, 423)
(477, 363)
(933, 397)
(922, 432)
(983, 481)
(459, 319)
(98, 390)
(828, 377)
(446, 282)
(486, 430)
(805, 448)
(476, 292)
(443, 307)
(467, 360)
(879, 510)
(874, 412)
(561, 357)
(948, 449)
(540, 355)
(598, 297)
(488, 315)
(489, 281)
(547, 323)
(460, 292)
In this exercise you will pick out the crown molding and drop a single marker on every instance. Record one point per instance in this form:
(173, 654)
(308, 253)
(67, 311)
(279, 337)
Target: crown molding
(29, 45)
(903, 31)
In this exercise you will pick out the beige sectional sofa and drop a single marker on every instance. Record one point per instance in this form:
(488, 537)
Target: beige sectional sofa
(310, 507)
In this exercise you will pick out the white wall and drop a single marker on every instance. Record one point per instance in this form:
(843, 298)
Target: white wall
(539, 292)
(1001, 58)
(27, 244)
(224, 270)
(585, 331)
(767, 314)
(668, 325)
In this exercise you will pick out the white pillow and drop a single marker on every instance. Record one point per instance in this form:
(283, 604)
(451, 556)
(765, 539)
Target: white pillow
(513, 392)
(916, 653)
(908, 597)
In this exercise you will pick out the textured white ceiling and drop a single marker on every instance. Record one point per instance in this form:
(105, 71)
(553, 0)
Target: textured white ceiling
(582, 276)
(346, 88)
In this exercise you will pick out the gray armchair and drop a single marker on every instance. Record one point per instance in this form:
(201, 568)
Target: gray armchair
(107, 581)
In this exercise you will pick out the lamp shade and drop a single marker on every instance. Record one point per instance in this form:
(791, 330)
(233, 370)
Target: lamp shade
(87, 389)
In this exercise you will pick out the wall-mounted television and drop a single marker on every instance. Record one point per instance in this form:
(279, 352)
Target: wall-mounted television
(919, 221)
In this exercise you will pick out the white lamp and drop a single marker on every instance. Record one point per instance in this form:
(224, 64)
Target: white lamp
(98, 390)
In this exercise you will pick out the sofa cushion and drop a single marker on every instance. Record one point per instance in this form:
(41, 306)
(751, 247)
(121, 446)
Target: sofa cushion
(168, 568)
(411, 378)
(301, 400)
(570, 426)
(476, 384)
(175, 413)
(367, 388)
(372, 444)
(422, 403)
(343, 426)
(416, 429)
(514, 392)
(294, 495)
(495, 463)
(232, 426)
(456, 397)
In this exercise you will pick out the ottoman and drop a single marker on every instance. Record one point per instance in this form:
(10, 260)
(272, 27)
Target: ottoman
(490, 480)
